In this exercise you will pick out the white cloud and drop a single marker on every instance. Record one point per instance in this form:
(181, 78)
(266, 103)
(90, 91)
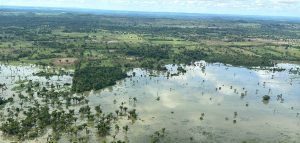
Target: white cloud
(249, 7)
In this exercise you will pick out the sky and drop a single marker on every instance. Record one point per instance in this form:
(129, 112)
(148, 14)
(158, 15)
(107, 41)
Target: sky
(236, 7)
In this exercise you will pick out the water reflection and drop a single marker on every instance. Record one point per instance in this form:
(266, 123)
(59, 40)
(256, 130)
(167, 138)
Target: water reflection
(207, 103)
(230, 98)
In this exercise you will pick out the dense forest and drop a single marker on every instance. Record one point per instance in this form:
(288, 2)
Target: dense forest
(96, 78)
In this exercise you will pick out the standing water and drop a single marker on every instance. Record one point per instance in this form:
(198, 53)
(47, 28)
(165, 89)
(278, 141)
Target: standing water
(206, 103)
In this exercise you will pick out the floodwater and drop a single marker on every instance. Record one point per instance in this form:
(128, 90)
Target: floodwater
(10, 74)
(227, 116)
(208, 103)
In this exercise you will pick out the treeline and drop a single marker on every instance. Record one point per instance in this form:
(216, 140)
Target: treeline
(23, 24)
(148, 51)
(240, 60)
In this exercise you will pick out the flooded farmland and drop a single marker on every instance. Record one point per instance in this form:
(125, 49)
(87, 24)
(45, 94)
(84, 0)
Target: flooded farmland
(204, 103)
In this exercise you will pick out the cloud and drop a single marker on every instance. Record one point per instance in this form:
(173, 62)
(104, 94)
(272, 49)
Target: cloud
(248, 7)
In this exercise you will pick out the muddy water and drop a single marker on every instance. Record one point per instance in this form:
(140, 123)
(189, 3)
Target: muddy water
(227, 99)
(208, 103)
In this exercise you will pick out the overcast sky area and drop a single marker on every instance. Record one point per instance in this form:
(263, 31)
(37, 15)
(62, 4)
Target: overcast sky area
(239, 7)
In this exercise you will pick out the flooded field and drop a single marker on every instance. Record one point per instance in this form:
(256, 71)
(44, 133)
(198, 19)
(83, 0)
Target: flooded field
(204, 103)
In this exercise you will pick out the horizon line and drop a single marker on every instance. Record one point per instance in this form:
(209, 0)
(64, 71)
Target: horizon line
(191, 14)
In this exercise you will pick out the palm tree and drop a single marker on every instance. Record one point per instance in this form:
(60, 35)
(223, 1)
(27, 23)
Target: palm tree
(117, 127)
(235, 114)
(121, 108)
(134, 99)
(125, 109)
(163, 130)
(98, 109)
(103, 127)
(117, 112)
(126, 128)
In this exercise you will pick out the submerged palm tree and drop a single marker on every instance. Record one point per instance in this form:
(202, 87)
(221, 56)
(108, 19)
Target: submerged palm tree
(117, 112)
(134, 99)
(103, 127)
(126, 128)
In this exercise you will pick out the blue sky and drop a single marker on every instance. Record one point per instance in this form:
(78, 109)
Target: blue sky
(241, 7)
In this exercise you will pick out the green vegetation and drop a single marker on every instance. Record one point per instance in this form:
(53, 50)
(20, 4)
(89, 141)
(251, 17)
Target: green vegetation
(4, 101)
(126, 42)
(147, 42)
(41, 107)
(89, 78)
(102, 49)
(49, 74)
(266, 97)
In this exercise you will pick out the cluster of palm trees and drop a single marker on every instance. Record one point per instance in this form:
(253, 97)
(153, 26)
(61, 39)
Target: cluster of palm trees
(3, 86)
(104, 125)
(4, 101)
(34, 123)
(42, 108)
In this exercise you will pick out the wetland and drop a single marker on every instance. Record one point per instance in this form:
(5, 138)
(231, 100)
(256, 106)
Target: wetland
(200, 104)
(91, 77)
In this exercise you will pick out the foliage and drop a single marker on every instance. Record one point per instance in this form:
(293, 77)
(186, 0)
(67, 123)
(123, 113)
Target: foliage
(11, 127)
(89, 78)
